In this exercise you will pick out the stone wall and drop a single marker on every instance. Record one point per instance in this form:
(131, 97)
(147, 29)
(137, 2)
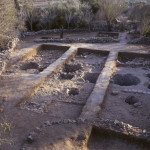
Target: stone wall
(141, 40)
(79, 40)
(5, 55)
(43, 32)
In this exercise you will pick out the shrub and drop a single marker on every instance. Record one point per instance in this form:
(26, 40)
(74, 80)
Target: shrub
(8, 20)
(141, 15)
(58, 14)
(109, 10)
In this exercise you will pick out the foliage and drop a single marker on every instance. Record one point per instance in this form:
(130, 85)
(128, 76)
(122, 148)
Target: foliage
(5, 127)
(109, 10)
(58, 14)
(31, 15)
(94, 4)
(8, 20)
(145, 24)
(140, 14)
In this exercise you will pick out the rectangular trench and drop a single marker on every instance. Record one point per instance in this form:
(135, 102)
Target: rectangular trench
(36, 60)
(65, 93)
(128, 97)
(105, 140)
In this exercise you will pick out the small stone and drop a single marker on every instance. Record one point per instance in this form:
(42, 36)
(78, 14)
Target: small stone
(47, 123)
(65, 121)
(137, 104)
(38, 129)
(30, 139)
(131, 100)
(73, 121)
(115, 93)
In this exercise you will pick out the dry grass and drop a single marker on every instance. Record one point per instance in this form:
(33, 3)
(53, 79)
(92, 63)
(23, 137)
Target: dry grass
(5, 132)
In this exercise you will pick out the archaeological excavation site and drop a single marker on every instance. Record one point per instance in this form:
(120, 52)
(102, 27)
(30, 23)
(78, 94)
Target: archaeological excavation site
(63, 96)
(74, 74)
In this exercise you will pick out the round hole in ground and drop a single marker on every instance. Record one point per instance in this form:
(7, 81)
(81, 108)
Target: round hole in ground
(131, 100)
(91, 77)
(41, 69)
(29, 65)
(126, 80)
(72, 67)
(66, 76)
(148, 75)
(73, 91)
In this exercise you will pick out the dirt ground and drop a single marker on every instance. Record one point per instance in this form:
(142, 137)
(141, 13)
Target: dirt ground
(116, 107)
(36, 64)
(68, 89)
(47, 121)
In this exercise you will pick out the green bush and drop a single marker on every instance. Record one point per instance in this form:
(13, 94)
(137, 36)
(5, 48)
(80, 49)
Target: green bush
(60, 14)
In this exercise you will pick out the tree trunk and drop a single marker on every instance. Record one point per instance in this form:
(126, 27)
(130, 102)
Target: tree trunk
(62, 33)
(31, 26)
(68, 26)
(109, 26)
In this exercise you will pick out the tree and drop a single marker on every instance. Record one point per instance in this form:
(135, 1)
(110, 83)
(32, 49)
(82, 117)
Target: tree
(110, 9)
(31, 15)
(48, 16)
(145, 26)
(71, 10)
(140, 14)
(86, 14)
(93, 4)
(145, 21)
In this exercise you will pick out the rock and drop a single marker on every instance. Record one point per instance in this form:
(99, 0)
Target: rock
(30, 139)
(115, 93)
(81, 137)
(47, 123)
(38, 129)
(138, 104)
(141, 40)
(131, 100)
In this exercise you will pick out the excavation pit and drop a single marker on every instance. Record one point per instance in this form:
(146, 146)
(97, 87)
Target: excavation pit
(126, 80)
(66, 76)
(148, 75)
(132, 102)
(67, 86)
(133, 59)
(91, 77)
(38, 59)
(73, 91)
(104, 140)
(69, 68)
(30, 65)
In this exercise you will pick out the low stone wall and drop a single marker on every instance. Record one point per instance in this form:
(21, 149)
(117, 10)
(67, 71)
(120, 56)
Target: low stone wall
(6, 54)
(79, 40)
(107, 34)
(43, 32)
(141, 40)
